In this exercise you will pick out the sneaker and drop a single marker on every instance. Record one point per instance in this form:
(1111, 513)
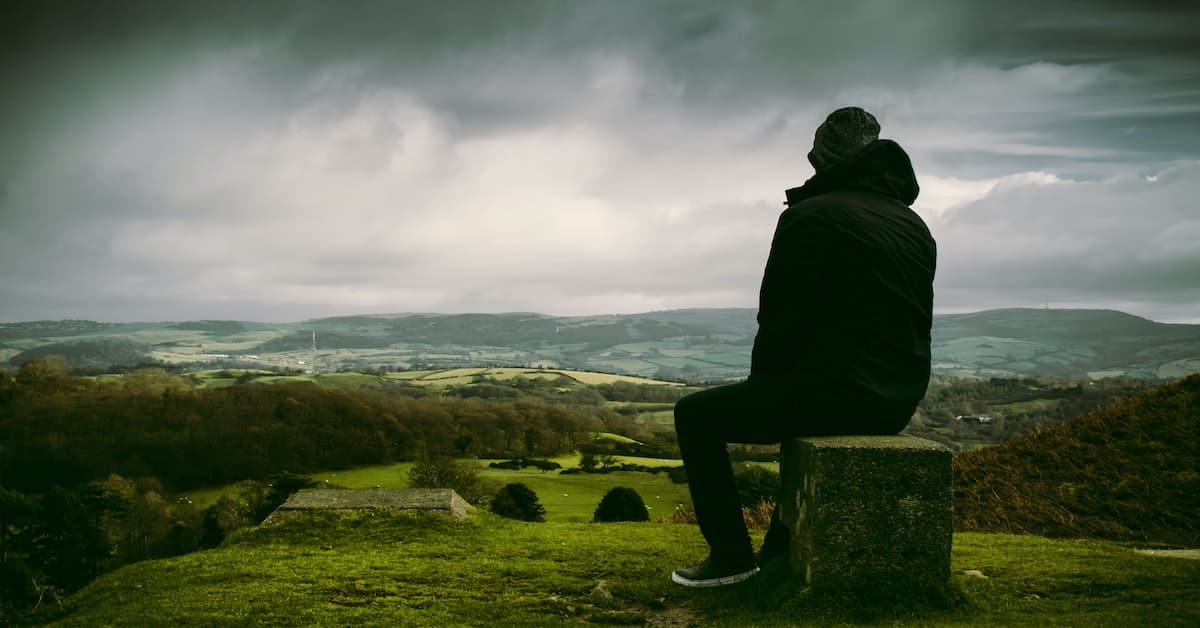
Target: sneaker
(707, 574)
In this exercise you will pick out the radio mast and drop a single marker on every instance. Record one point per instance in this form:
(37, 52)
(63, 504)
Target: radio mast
(314, 358)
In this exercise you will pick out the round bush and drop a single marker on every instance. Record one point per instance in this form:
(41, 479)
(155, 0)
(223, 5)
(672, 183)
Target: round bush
(517, 501)
(756, 484)
(621, 504)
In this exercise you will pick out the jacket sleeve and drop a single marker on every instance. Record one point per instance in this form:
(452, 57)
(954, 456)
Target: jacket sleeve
(794, 289)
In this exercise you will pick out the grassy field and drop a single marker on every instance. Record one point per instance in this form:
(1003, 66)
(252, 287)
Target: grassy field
(1179, 368)
(385, 569)
(567, 498)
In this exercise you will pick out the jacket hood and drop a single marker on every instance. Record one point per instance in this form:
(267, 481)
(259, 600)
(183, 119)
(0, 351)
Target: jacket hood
(881, 167)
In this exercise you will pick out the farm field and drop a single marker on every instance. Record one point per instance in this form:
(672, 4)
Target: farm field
(437, 378)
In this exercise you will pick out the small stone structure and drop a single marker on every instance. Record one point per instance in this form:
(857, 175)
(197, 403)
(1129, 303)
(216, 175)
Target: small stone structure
(867, 510)
(443, 500)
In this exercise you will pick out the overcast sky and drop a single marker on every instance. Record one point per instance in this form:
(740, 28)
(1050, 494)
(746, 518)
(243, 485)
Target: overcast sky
(280, 161)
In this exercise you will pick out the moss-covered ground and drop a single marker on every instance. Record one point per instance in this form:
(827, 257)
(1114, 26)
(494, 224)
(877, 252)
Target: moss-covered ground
(390, 569)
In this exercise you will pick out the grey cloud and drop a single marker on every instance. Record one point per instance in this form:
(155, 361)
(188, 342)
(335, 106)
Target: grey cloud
(1122, 240)
(553, 156)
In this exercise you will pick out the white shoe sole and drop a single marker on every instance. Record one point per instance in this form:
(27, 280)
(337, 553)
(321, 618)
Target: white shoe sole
(713, 582)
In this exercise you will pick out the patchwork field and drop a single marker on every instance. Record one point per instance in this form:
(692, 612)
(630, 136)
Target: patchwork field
(436, 378)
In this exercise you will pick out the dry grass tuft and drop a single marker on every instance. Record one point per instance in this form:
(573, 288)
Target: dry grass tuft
(757, 517)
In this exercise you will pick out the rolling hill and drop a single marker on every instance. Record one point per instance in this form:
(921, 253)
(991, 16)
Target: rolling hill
(697, 344)
(1126, 472)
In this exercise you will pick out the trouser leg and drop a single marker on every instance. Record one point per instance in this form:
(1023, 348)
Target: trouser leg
(704, 423)
(762, 413)
(778, 537)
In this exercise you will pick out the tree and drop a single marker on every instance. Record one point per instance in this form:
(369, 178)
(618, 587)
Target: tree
(42, 371)
(517, 501)
(16, 576)
(154, 381)
(69, 545)
(211, 533)
(621, 504)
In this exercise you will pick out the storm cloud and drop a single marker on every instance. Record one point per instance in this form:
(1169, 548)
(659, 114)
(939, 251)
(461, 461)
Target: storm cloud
(287, 160)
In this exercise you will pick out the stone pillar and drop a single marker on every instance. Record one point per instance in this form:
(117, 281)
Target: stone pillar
(867, 510)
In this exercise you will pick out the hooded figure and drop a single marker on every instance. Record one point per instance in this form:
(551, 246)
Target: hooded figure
(843, 344)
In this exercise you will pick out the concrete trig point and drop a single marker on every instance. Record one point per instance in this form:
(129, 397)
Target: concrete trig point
(443, 500)
(867, 510)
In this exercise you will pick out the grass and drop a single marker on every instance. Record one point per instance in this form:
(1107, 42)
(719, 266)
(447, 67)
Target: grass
(388, 569)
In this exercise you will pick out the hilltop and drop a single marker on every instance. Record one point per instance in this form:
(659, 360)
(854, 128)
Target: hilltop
(695, 345)
(1133, 464)
(1128, 472)
(421, 570)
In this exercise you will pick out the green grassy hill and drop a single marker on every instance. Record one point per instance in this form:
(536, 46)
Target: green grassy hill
(423, 570)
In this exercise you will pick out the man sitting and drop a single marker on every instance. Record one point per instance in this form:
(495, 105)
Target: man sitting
(843, 344)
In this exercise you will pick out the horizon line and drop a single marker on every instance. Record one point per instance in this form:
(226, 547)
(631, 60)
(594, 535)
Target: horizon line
(943, 312)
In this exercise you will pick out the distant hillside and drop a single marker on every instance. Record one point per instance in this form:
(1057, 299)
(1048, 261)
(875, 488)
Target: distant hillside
(696, 344)
(1063, 343)
(91, 353)
(1130, 472)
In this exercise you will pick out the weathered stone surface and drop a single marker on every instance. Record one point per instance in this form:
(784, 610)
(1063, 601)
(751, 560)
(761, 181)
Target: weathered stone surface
(867, 510)
(430, 499)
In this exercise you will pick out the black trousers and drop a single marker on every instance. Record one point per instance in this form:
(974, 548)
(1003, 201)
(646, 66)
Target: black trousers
(760, 411)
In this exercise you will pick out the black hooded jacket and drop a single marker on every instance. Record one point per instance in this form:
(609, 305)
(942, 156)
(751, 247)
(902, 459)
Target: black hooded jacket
(846, 303)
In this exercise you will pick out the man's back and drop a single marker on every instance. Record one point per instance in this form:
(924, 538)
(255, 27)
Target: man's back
(846, 304)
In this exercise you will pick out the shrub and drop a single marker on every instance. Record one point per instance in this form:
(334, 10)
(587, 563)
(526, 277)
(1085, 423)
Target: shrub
(678, 474)
(463, 477)
(621, 504)
(756, 484)
(517, 501)
(520, 463)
